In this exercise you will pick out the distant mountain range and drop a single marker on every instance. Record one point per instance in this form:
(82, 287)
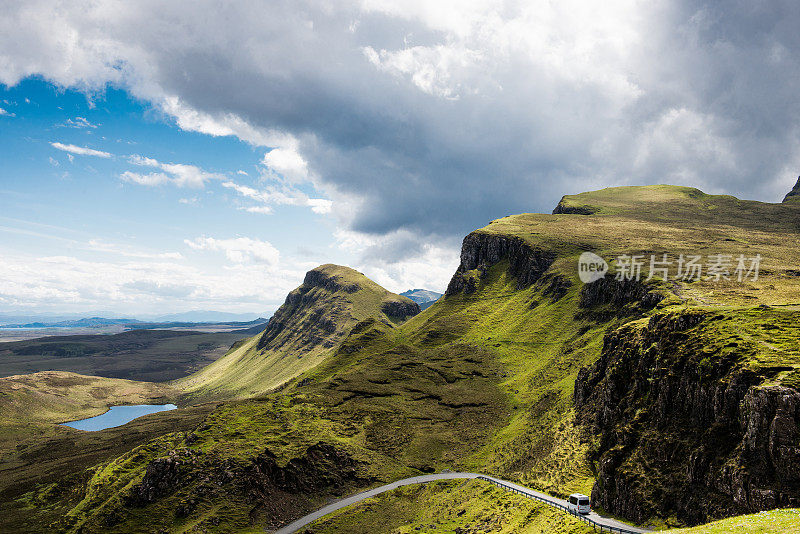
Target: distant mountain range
(166, 321)
(205, 316)
(423, 297)
(86, 322)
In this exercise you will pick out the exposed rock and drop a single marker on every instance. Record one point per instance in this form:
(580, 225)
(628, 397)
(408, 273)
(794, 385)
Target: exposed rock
(554, 285)
(684, 432)
(480, 251)
(564, 207)
(400, 309)
(322, 466)
(162, 477)
(794, 194)
(277, 492)
(313, 328)
(319, 278)
(609, 290)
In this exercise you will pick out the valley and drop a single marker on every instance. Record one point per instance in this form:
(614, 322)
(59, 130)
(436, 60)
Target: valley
(631, 391)
(147, 355)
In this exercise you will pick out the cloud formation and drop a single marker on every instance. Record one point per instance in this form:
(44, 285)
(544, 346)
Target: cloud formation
(279, 194)
(431, 118)
(79, 123)
(80, 150)
(239, 249)
(177, 174)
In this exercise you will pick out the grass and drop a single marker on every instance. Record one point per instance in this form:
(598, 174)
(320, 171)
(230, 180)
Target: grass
(446, 507)
(57, 396)
(480, 381)
(316, 317)
(786, 521)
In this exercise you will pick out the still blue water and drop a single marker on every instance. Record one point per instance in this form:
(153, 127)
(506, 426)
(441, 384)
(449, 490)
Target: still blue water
(118, 415)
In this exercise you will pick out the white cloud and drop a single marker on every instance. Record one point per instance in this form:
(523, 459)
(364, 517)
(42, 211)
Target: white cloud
(177, 174)
(98, 245)
(287, 162)
(429, 68)
(264, 210)
(79, 122)
(320, 205)
(53, 162)
(278, 195)
(401, 260)
(80, 151)
(221, 125)
(131, 286)
(151, 180)
(433, 118)
(4, 113)
(239, 249)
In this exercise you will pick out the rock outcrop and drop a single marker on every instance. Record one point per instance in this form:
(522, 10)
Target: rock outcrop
(321, 470)
(480, 251)
(609, 290)
(400, 309)
(680, 427)
(564, 207)
(317, 311)
(794, 194)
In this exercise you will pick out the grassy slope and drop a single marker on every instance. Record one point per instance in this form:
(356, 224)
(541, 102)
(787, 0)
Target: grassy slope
(785, 521)
(57, 396)
(255, 368)
(446, 507)
(481, 381)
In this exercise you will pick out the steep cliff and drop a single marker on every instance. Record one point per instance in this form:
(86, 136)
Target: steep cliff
(696, 414)
(479, 251)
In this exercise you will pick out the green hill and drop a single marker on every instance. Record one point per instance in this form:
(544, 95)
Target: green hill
(313, 321)
(488, 379)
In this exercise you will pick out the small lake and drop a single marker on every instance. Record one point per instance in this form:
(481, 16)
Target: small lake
(118, 415)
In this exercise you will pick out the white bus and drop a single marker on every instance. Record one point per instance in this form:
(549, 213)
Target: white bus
(578, 503)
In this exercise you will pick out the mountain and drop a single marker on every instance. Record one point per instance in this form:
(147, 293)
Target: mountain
(423, 297)
(86, 322)
(672, 401)
(309, 326)
(794, 194)
(204, 316)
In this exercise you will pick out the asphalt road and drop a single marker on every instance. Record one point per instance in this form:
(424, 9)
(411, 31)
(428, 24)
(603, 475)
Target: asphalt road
(338, 505)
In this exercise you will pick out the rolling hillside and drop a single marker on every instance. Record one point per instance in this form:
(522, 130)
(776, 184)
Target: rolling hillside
(488, 379)
(313, 321)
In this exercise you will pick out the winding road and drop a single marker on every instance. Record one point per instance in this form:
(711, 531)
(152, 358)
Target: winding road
(610, 525)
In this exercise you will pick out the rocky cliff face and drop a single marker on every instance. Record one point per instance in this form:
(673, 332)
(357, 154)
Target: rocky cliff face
(480, 251)
(794, 194)
(564, 207)
(684, 427)
(189, 478)
(316, 326)
(317, 311)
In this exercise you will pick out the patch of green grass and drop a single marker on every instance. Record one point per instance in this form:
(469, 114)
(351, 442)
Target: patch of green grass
(449, 506)
(785, 521)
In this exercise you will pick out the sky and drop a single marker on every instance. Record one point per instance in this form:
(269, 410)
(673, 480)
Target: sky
(158, 158)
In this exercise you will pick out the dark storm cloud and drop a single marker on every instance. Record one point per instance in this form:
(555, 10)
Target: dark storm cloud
(435, 122)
